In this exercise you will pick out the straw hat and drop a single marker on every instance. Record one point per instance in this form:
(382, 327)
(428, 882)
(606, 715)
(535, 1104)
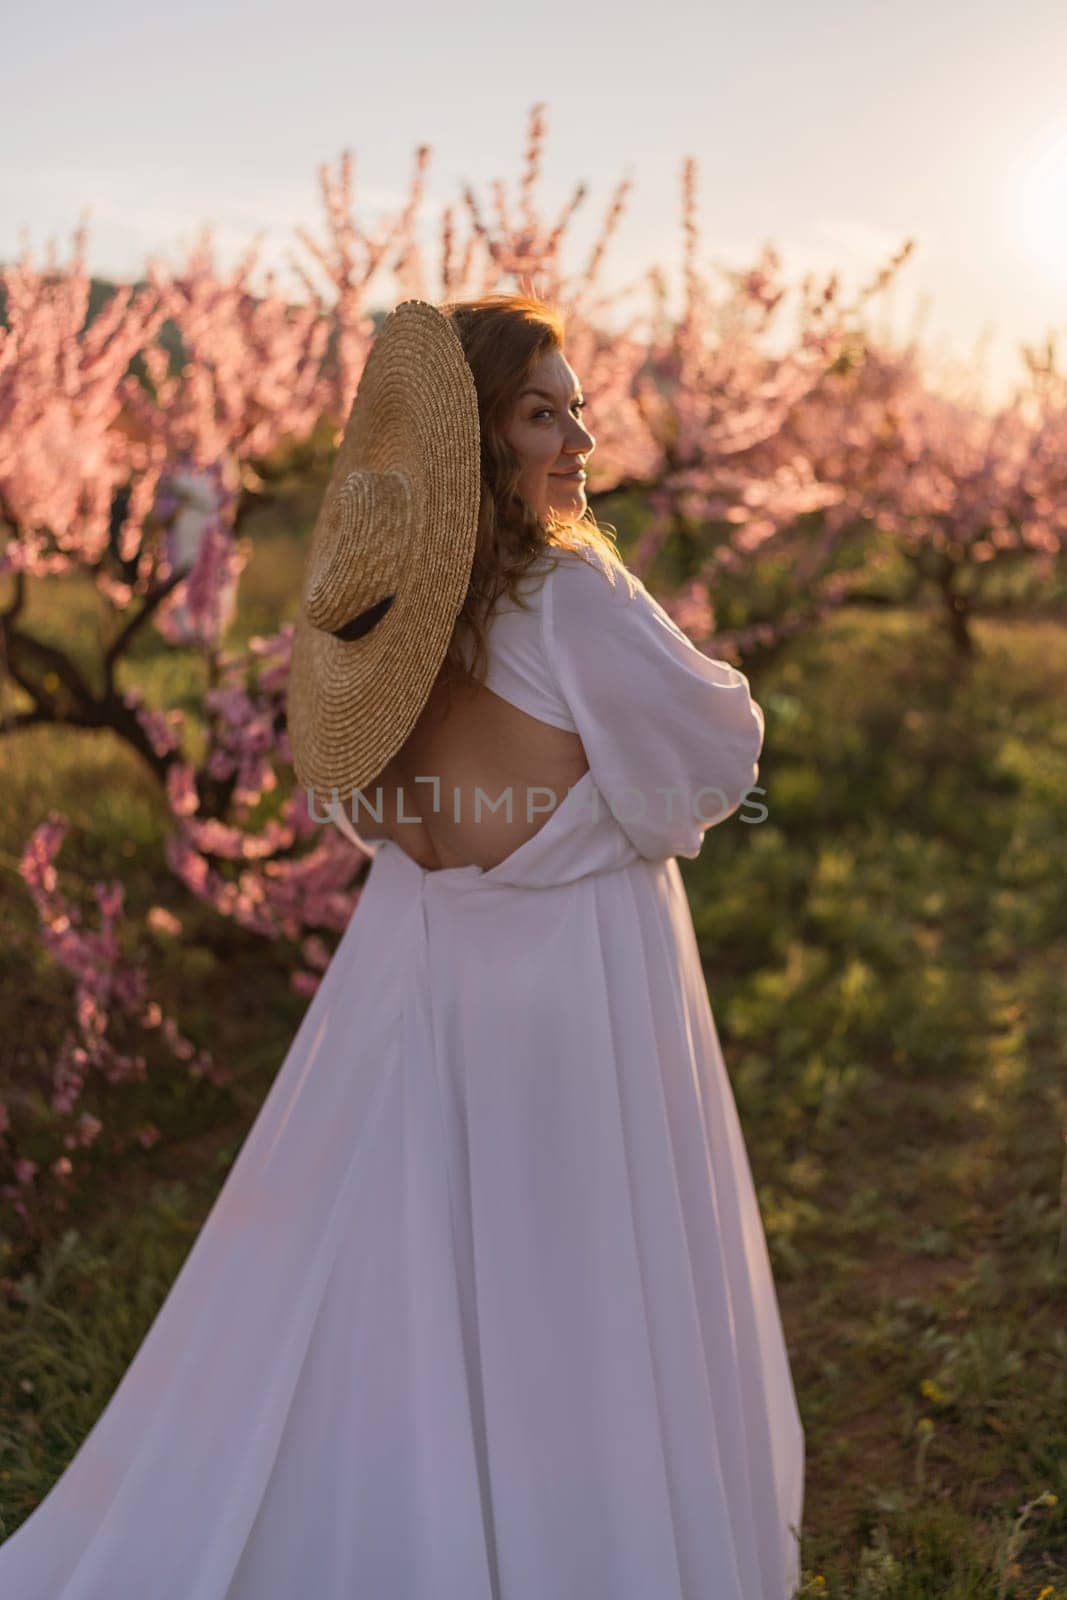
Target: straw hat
(390, 557)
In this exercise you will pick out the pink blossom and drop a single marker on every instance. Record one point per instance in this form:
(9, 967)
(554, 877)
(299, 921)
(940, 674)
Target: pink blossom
(181, 789)
(163, 921)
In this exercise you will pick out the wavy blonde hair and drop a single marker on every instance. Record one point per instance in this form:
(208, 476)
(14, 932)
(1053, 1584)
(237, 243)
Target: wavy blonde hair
(503, 337)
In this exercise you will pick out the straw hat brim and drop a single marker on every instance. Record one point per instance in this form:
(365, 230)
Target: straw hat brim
(352, 704)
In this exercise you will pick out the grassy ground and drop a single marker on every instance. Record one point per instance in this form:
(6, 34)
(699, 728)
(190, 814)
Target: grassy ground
(885, 958)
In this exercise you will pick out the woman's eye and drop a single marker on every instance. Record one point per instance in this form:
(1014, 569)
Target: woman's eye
(579, 405)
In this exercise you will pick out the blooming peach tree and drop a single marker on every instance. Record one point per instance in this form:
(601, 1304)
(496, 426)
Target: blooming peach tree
(135, 445)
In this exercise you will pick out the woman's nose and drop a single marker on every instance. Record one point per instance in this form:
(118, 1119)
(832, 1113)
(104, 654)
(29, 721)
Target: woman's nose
(581, 438)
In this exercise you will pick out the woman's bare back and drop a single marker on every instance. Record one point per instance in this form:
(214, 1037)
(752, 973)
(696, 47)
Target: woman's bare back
(500, 773)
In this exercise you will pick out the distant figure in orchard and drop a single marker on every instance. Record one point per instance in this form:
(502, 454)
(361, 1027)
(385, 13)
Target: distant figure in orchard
(484, 1309)
(191, 501)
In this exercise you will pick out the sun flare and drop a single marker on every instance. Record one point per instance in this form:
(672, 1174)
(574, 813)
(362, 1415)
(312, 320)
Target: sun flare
(1042, 207)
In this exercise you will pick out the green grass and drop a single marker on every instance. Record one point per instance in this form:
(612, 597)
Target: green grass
(885, 958)
(885, 954)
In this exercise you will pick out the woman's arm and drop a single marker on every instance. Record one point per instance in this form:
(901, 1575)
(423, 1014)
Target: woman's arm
(673, 736)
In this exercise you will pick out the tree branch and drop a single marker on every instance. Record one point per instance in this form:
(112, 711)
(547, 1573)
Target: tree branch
(121, 642)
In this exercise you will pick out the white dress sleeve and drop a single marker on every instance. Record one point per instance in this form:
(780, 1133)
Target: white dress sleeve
(672, 736)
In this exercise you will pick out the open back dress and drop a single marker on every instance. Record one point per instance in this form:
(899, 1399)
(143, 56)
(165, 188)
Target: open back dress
(483, 1309)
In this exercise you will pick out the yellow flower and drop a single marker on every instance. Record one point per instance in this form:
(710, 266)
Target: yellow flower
(932, 1391)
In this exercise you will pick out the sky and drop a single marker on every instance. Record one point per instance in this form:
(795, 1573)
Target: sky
(832, 129)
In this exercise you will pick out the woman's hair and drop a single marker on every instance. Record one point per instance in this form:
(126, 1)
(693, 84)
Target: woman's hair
(503, 337)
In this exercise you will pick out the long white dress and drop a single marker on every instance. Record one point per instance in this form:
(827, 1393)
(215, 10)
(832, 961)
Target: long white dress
(483, 1310)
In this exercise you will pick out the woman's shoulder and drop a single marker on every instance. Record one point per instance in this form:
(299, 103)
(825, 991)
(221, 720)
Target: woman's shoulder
(591, 595)
(589, 574)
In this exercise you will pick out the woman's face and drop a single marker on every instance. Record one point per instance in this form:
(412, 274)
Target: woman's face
(546, 433)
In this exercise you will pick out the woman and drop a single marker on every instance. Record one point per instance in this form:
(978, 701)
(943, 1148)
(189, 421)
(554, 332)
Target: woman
(484, 1309)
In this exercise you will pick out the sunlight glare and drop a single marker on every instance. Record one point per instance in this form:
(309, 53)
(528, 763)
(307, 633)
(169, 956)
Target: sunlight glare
(1042, 207)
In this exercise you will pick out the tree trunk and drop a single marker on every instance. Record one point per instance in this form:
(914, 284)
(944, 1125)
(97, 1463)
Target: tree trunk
(957, 608)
